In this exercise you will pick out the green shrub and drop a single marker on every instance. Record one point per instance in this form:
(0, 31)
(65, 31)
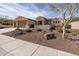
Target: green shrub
(67, 31)
(52, 28)
(58, 28)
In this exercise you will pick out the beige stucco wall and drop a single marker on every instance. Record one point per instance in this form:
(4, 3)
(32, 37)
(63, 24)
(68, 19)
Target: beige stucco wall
(56, 24)
(42, 26)
(23, 22)
(54, 21)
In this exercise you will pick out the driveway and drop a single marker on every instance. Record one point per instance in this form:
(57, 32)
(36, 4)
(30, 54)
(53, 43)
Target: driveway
(6, 30)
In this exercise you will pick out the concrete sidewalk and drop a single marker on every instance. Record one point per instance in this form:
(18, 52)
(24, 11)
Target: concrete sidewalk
(15, 47)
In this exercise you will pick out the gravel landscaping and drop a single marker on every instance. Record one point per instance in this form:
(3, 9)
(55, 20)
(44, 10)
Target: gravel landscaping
(38, 37)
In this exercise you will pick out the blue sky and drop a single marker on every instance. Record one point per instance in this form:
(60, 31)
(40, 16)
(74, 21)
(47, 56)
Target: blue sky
(29, 10)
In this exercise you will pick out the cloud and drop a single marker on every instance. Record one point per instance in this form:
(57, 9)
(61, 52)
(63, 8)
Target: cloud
(14, 10)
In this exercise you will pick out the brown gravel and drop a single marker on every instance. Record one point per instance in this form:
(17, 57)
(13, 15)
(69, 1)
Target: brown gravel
(58, 43)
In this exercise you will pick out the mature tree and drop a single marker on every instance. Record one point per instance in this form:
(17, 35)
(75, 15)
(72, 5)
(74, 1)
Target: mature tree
(67, 10)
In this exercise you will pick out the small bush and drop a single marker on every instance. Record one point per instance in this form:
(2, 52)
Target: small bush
(68, 26)
(39, 30)
(52, 28)
(58, 28)
(61, 31)
(67, 31)
(50, 36)
(74, 33)
(29, 30)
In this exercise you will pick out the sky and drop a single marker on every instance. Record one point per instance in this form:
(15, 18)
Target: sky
(29, 10)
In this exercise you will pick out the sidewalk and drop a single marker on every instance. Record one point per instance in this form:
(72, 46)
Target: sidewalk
(14, 47)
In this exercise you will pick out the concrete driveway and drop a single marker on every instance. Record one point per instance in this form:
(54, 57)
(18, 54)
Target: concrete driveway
(6, 30)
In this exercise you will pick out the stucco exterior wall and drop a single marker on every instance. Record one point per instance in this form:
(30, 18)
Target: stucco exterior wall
(22, 22)
(42, 26)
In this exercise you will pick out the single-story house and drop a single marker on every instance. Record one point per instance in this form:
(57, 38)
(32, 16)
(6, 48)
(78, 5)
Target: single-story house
(45, 23)
(23, 22)
(55, 21)
(52, 21)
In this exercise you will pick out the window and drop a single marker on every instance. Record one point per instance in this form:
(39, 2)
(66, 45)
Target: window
(58, 21)
(53, 21)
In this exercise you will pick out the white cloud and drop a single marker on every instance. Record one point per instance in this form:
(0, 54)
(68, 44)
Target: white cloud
(14, 10)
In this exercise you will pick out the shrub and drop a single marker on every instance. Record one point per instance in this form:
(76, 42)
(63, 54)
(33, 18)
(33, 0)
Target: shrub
(52, 28)
(39, 30)
(68, 26)
(50, 36)
(31, 26)
(67, 31)
(58, 28)
(74, 33)
(28, 30)
(61, 31)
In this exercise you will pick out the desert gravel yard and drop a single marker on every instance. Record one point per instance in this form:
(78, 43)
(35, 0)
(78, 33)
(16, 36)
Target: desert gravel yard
(38, 38)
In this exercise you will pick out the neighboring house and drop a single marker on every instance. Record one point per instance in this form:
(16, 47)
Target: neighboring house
(45, 23)
(55, 21)
(75, 25)
(52, 21)
(23, 22)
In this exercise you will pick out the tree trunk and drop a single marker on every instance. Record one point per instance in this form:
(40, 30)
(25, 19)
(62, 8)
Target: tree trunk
(64, 25)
